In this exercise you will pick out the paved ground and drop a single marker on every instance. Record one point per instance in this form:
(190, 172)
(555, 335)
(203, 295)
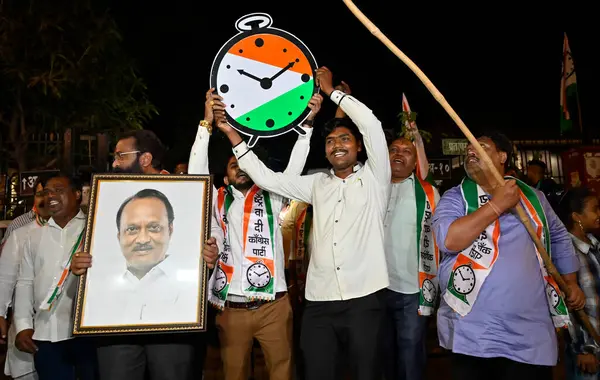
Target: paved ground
(438, 367)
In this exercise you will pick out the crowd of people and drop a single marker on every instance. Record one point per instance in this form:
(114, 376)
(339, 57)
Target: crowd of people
(364, 255)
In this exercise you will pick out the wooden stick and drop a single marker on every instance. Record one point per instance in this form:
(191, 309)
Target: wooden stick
(498, 177)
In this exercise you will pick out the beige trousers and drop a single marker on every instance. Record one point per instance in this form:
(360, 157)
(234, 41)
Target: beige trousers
(271, 325)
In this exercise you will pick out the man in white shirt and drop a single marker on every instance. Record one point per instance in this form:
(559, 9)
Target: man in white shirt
(155, 286)
(165, 356)
(19, 365)
(249, 284)
(43, 303)
(411, 257)
(347, 269)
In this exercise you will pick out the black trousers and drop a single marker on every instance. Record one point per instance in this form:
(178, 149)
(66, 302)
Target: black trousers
(176, 356)
(474, 368)
(348, 332)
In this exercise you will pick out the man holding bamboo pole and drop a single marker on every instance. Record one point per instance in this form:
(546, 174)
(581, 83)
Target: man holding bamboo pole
(499, 306)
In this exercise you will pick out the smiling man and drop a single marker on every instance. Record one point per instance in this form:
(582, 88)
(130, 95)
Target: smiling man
(145, 226)
(154, 287)
(498, 307)
(347, 270)
(412, 260)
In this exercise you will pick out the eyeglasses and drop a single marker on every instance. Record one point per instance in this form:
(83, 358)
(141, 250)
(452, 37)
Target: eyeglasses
(119, 156)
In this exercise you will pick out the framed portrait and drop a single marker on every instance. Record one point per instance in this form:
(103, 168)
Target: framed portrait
(145, 234)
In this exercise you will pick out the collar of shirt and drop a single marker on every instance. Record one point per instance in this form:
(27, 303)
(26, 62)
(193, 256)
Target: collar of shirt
(411, 178)
(236, 193)
(52, 223)
(164, 268)
(354, 170)
(582, 246)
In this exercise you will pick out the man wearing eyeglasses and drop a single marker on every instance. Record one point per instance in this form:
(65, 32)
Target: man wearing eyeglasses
(156, 356)
(139, 152)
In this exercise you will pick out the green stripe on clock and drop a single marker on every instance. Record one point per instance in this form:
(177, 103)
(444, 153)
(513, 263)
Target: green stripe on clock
(278, 109)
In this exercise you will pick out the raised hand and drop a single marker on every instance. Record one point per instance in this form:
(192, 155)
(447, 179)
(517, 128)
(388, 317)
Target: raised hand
(325, 80)
(343, 87)
(315, 106)
(213, 103)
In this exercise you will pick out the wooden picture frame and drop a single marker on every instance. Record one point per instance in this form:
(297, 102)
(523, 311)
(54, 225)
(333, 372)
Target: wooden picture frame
(145, 234)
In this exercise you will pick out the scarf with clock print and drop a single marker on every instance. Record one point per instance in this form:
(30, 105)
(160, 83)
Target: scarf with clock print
(258, 265)
(427, 249)
(474, 264)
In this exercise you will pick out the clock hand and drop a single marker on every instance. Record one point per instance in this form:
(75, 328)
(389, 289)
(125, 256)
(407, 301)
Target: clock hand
(289, 66)
(461, 276)
(242, 72)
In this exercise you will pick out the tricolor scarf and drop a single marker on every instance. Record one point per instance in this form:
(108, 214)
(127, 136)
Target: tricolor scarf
(302, 227)
(258, 266)
(475, 263)
(59, 283)
(427, 249)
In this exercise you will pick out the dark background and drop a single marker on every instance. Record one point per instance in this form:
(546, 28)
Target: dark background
(499, 77)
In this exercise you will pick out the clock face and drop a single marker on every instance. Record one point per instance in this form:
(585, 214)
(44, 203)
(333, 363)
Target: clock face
(266, 77)
(464, 279)
(428, 290)
(552, 295)
(258, 275)
(220, 280)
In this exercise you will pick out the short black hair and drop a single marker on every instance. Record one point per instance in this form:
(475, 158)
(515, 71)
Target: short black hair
(75, 182)
(147, 142)
(539, 163)
(147, 193)
(502, 143)
(338, 122)
(572, 201)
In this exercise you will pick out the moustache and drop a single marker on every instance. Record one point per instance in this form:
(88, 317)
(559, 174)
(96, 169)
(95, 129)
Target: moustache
(143, 248)
(339, 151)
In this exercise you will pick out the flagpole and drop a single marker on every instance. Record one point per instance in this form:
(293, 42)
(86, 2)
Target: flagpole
(579, 113)
(481, 153)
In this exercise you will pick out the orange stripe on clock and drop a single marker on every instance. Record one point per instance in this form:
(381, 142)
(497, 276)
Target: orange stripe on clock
(271, 52)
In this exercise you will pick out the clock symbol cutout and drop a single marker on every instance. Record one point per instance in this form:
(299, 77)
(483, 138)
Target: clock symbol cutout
(464, 279)
(552, 295)
(266, 77)
(429, 291)
(258, 275)
(220, 280)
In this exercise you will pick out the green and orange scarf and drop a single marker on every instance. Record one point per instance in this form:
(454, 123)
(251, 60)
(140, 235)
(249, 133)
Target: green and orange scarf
(474, 264)
(258, 262)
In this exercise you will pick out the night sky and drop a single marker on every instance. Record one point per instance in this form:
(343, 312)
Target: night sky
(502, 78)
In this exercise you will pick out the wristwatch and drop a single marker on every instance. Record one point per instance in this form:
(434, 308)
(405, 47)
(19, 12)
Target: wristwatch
(206, 124)
(308, 122)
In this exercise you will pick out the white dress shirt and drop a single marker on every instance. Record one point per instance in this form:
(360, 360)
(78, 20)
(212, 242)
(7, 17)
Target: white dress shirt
(347, 251)
(401, 237)
(168, 293)
(198, 164)
(45, 253)
(18, 363)
(10, 262)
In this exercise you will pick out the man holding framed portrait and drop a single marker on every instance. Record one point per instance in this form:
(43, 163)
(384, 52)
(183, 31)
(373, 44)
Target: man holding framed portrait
(150, 249)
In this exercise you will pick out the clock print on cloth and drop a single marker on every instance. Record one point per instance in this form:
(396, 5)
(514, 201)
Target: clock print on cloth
(266, 77)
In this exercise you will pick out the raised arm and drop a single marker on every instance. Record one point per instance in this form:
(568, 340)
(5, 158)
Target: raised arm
(368, 125)
(422, 162)
(286, 185)
(198, 163)
(302, 146)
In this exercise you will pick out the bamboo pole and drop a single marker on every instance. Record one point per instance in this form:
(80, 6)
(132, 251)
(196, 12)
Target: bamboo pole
(497, 176)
